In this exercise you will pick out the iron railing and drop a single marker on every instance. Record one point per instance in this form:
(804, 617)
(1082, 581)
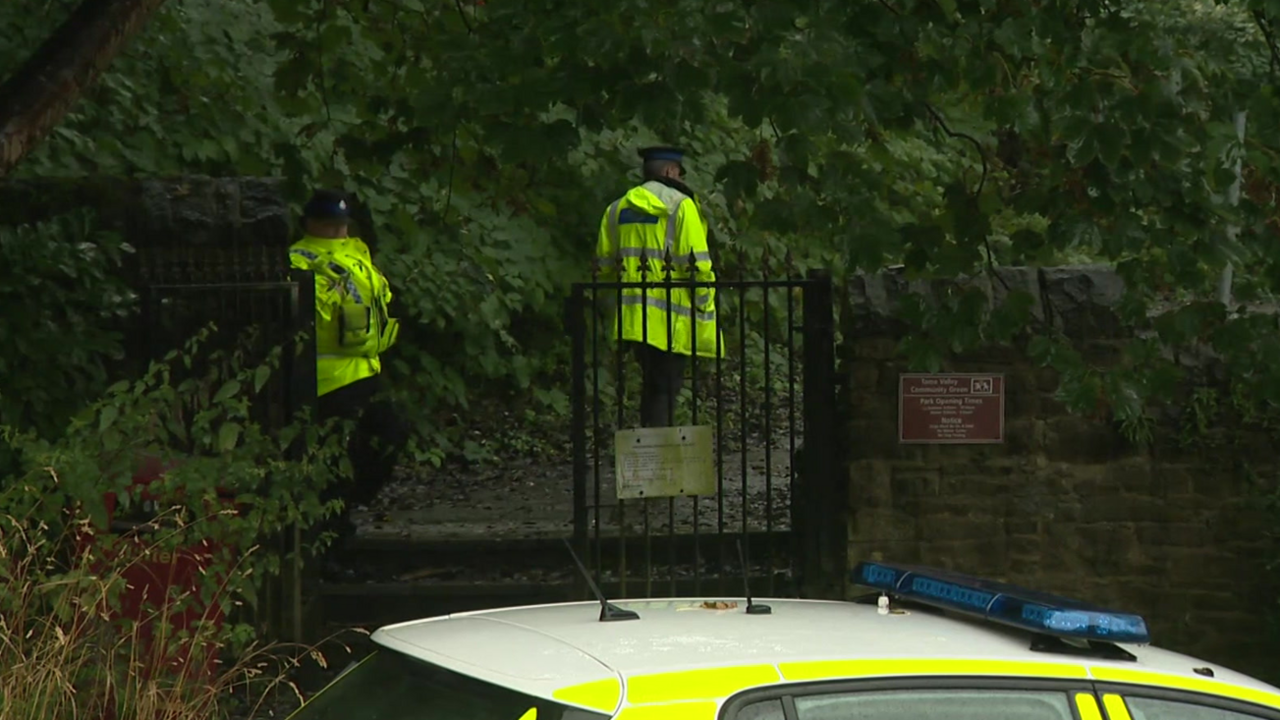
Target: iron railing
(771, 391)
(252, 318)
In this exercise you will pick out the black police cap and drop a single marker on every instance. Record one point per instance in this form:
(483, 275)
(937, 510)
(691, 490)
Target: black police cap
(328, 205)
(661, 152)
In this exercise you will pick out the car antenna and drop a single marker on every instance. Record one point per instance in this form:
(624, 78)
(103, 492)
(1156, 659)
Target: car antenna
(752, 608)
(608, 611)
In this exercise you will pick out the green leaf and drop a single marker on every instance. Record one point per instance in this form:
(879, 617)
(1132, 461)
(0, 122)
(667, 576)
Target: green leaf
(260, 377)
(228, 436)
(1041, 349)
(1083, 151)
(108, 416)
(227, 391)
(1110, 141)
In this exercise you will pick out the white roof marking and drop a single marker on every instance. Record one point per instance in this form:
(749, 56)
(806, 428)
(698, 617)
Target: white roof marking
(499, 652)
(674, 634)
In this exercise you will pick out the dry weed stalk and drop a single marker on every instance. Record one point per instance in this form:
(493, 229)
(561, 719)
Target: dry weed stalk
(66, 652)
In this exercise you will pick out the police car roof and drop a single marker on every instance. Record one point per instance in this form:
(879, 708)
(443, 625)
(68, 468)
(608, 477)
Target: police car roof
(544, 648)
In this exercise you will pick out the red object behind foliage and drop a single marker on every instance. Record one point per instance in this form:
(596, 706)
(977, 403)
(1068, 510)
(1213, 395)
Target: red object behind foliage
(150, 581)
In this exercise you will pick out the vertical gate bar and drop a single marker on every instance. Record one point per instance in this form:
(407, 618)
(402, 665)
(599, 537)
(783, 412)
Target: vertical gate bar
(645, 374)
(720, 573)
(575, 319)
(301, 378)
(791, 423)
(671, 543)
(227, 328)
(825, 544)
(597, 548)
(768, 442)
(742, 412)
(648, 548)
(219, 328)
(261, 303)
(146, 339)
(668, 267)
(296, 590)
(693, 412)
(620, 387)
(278, 332)
(297, 389)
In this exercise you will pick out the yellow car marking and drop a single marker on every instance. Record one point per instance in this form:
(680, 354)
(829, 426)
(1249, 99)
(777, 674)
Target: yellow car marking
(702, 684)
(1116, 709)
(602, 695)
(1087, 704)
(688, 691)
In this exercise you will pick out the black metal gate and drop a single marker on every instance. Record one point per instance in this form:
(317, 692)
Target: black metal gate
(254, 304)
(253, 318)
(764, 408)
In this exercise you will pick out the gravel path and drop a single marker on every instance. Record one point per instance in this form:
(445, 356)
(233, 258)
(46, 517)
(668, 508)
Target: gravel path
(525, 489)
(528, 499)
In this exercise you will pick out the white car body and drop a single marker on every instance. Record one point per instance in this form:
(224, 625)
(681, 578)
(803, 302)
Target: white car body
(707, 658)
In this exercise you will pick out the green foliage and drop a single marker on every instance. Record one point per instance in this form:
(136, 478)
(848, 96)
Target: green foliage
(949, 137)
(192, 95)
(66, 301)
(222, 478)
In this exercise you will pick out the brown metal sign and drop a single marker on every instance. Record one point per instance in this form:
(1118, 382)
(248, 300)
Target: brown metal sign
(951, 408)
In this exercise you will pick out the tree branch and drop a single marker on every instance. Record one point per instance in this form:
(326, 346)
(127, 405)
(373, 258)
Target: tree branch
(453, 164)
(1264, 24)
(453, 152)
(982, 154)
(889, 7)
(41, 93)
(324, 83)
(463, 14)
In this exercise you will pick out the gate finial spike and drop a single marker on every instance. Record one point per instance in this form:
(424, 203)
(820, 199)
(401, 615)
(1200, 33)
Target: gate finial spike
(790, 261)
(742, 262)
(668, 264)
(764, 260)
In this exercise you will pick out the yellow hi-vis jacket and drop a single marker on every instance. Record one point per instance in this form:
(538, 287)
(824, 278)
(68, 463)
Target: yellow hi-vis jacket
(652, 219)
(352, 296)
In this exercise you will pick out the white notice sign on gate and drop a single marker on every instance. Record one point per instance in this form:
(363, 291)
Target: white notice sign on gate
(664, 462)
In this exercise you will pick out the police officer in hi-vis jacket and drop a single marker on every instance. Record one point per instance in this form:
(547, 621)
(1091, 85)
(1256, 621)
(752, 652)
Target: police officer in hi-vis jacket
(657, 219)
(353, 329)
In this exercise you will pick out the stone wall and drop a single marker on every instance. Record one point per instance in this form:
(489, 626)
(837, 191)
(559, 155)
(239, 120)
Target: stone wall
(185, 228)
(1065, 504)
(205, 250)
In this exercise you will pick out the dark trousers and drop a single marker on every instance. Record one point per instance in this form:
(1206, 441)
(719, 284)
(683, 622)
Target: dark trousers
(373, 448)
(662, 377)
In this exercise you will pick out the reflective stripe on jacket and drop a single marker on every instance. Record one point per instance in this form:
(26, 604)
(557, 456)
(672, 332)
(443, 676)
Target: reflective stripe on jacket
(353, 326)
(654, 220)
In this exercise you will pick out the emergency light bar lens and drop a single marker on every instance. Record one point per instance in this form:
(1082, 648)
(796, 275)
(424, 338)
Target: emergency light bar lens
(1007, 604)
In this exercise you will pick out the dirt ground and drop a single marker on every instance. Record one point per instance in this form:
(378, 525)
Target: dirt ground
(534, 499)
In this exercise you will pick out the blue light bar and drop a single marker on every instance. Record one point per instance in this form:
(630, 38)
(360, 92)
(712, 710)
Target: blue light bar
(1006, 604)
